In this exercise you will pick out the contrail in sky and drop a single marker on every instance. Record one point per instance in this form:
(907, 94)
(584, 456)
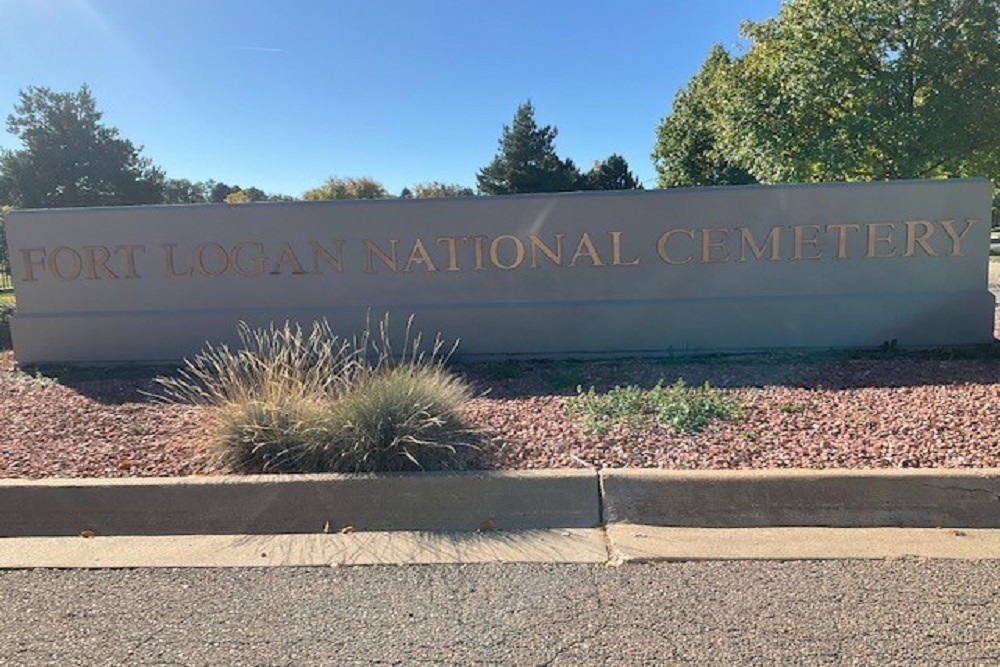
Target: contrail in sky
(266, 49)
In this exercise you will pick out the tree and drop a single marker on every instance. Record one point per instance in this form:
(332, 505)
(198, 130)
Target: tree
(687, 151)
(217, 192)
(437, 189)
(70, 158)
(347, 188)
(526, 160)
(237, 197)
(183, 191)
(223, 193)
(611, 174)
(860, 90)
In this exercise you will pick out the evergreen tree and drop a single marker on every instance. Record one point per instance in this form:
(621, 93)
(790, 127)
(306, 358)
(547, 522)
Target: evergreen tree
(526, 160)
(70, 158)
(611, 174)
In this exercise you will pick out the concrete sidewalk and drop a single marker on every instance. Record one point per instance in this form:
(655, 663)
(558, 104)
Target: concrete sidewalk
(554, 515)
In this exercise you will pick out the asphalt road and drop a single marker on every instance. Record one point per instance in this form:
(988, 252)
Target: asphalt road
(902, 612)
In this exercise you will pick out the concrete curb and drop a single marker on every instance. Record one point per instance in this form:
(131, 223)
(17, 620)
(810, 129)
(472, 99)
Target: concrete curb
(505, 501)
(967, 498)
(278, 504)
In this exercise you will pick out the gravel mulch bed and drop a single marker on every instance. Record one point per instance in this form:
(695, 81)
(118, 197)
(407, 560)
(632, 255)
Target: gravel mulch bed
(801, 412)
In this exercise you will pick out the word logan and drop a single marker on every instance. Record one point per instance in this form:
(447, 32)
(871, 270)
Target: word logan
(507, 252)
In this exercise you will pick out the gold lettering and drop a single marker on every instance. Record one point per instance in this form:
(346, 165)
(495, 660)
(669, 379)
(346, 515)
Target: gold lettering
(168, 256)
(372, 249)
(585, 248)
(495, 252)
(708, 244)
(288, 256)
(451, 242)
(913, 238)
(874, 239)
(76, 262)
(130, 251)
(97, 260)
(477, 250)
(221, 257)
(336, 261)
(555, 256)
(661, 246)
(747, 240)
(956, 239)
(799, 239)
(258, 260)
(30, 263)
(616, 251)
(842, 230)
(420, 255)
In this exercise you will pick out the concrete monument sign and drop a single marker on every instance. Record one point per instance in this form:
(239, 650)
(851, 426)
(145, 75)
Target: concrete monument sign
(610, 273)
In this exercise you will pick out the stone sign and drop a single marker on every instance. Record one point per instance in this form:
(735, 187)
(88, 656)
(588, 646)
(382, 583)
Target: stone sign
(577, 275)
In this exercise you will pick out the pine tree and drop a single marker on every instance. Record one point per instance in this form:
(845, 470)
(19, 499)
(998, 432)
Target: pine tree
(527, 160)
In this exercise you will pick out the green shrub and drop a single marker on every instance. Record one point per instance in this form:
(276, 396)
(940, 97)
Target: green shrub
(685, 408)
(290, 401)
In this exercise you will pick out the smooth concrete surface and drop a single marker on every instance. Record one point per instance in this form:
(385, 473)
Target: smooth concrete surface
(563, 545)
(614, 544)
(605, 273)
(268, 504)
(968, 498)
(632, 542)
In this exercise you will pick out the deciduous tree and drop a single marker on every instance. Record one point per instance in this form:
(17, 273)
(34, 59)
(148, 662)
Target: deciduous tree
(845, 90)
(438, 189)
(347, 188)
(687, 152)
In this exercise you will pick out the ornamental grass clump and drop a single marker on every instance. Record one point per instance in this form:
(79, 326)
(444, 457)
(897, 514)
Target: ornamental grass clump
(293, 401)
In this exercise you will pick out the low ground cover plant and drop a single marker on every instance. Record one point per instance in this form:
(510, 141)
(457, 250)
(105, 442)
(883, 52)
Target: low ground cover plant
(689, 409)
(291, 400)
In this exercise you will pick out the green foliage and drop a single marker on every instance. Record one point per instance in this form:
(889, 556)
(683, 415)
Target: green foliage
(527, 161)
(39, 379)
(437, 189)
(347, 188)
(183, 191)
(290, 401)
(686, 152)
(845, 90)
(70, 158)
(611, 174)
(689, 409)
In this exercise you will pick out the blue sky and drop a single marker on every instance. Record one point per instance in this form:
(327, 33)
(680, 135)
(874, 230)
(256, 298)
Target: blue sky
(283, 94)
